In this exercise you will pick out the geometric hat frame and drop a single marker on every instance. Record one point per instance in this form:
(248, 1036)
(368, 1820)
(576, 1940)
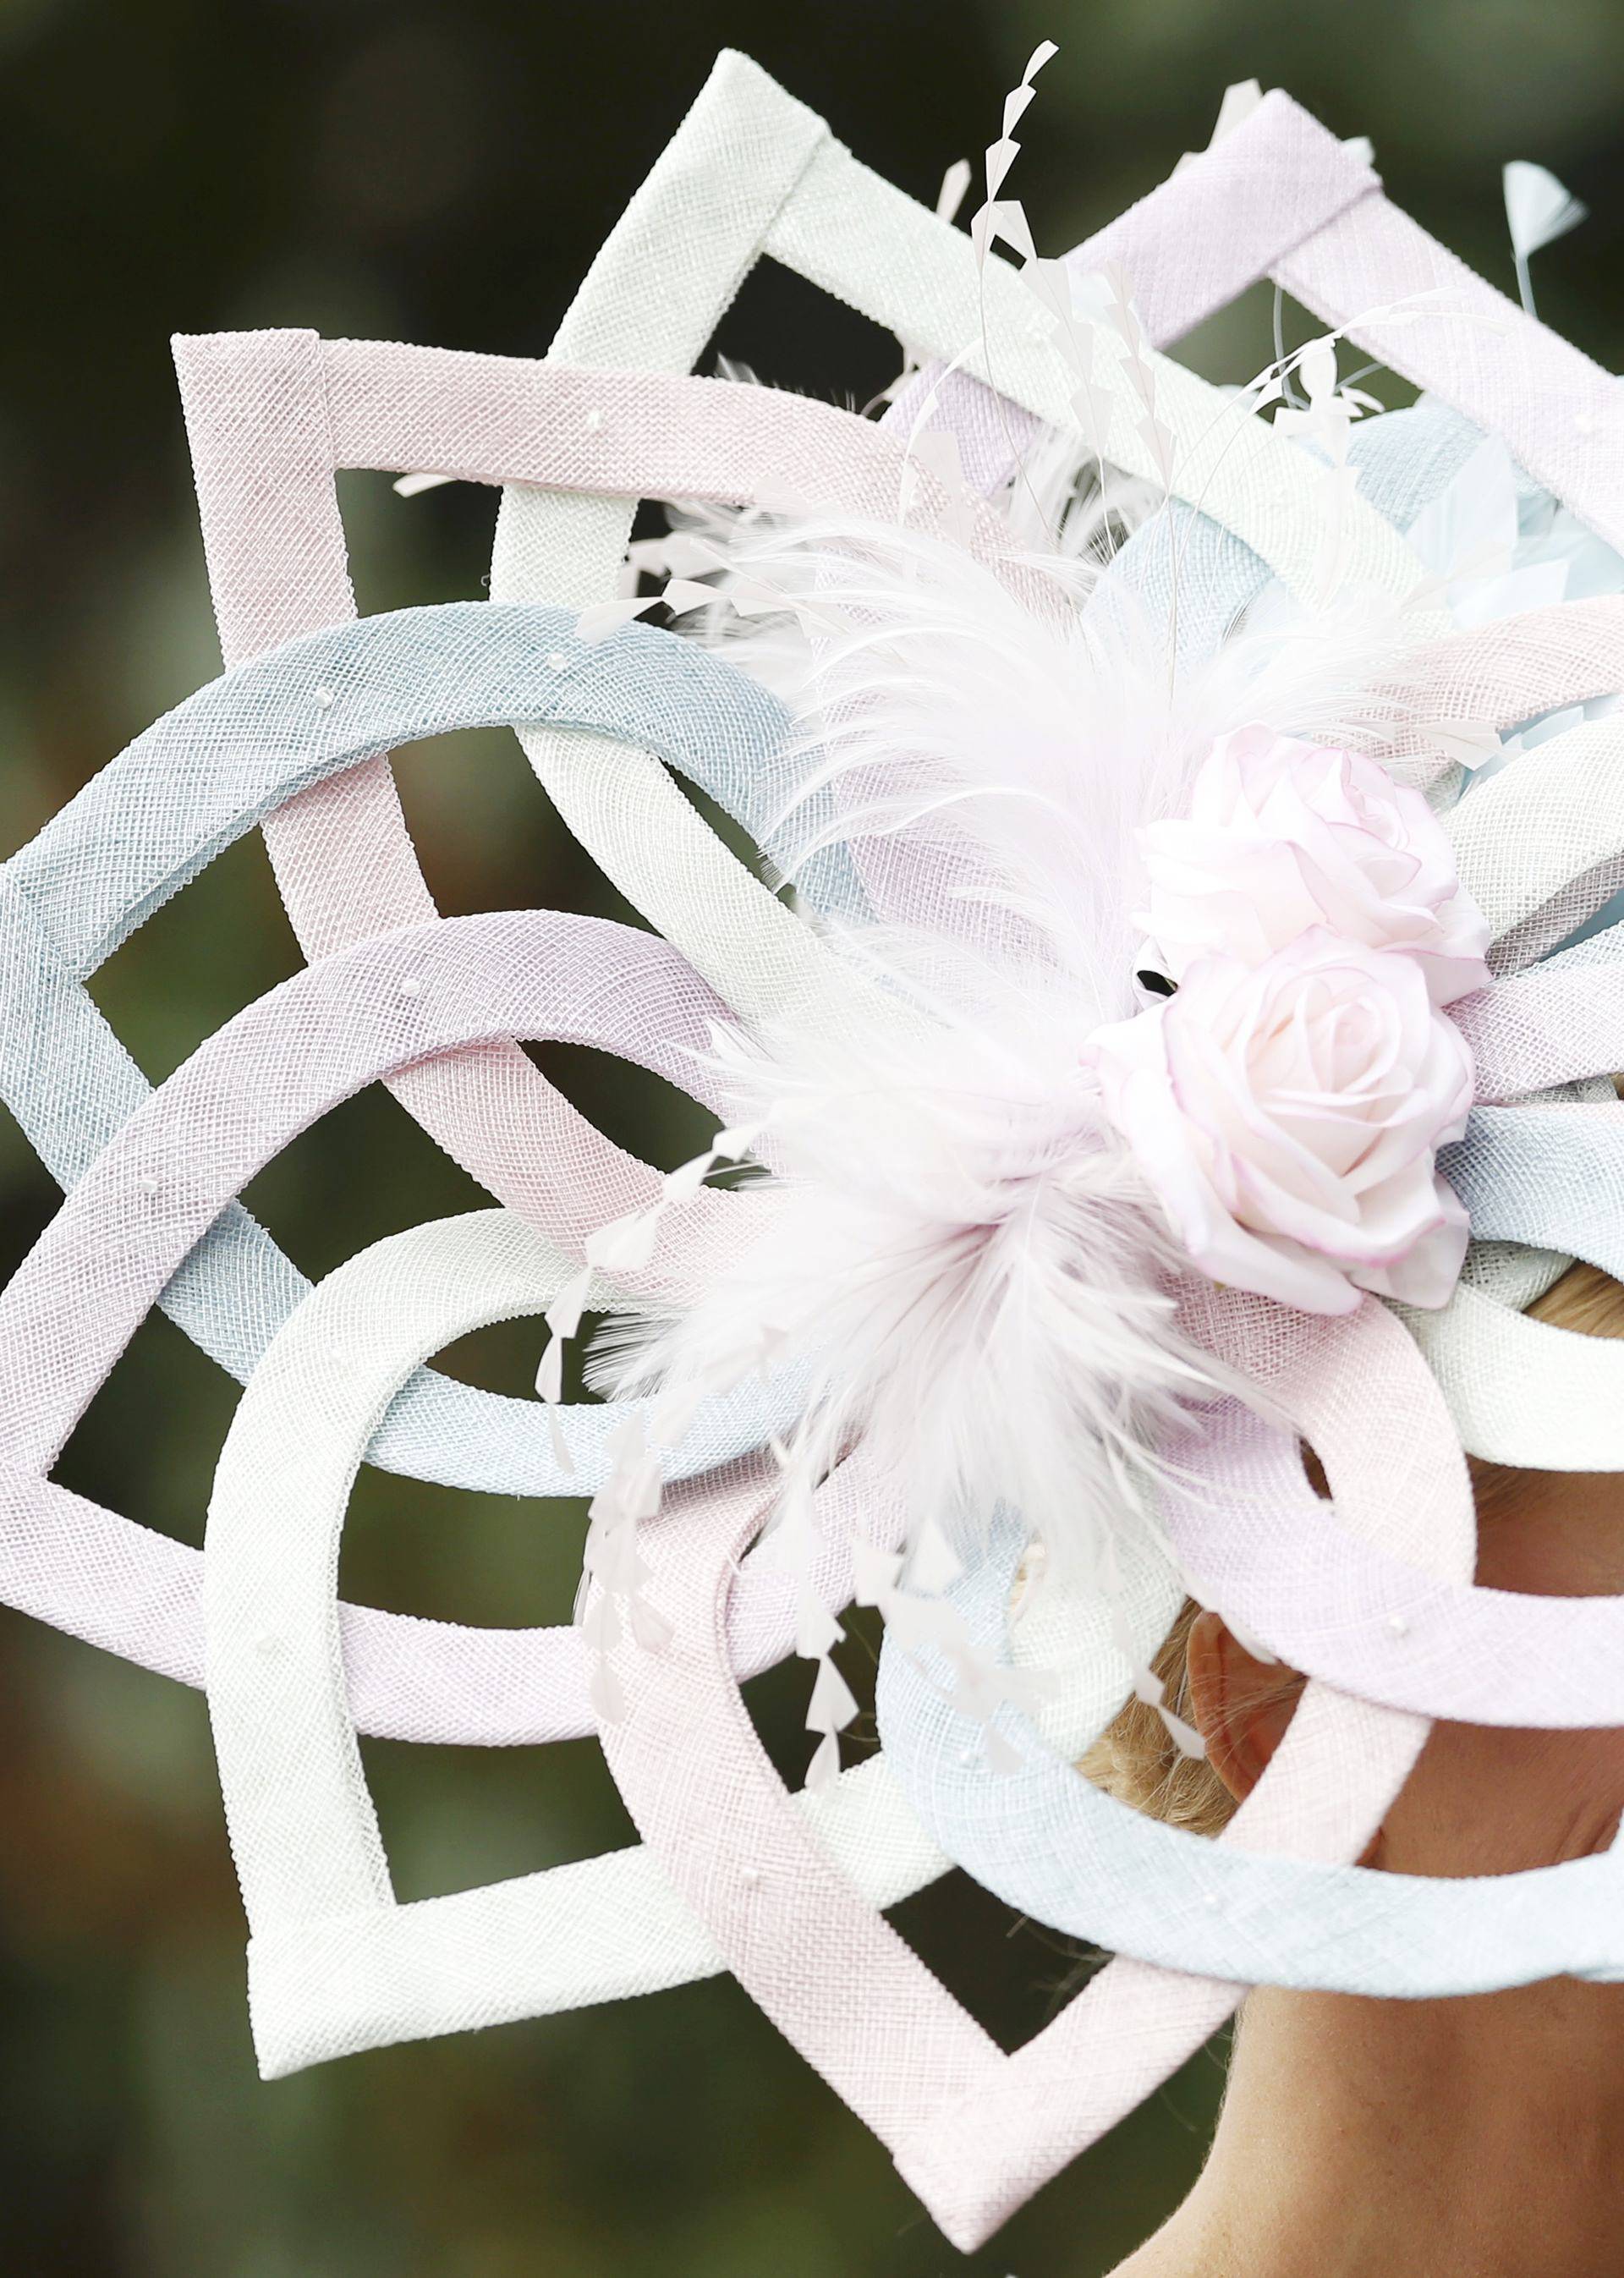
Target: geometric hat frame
(577, 596)
(815, 192)
(1587, 380)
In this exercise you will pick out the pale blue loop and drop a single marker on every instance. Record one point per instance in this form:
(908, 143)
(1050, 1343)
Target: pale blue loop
(220, 761)
(1549, 1177)
(1597, 945)
(1405, 459)
(1048, 1843)
(203, 774)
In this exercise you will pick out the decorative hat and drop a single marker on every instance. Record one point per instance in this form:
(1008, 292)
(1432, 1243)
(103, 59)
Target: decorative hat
(1167, 1017)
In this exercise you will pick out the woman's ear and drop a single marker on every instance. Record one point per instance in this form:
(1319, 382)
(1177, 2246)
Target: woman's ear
(1240, 1705)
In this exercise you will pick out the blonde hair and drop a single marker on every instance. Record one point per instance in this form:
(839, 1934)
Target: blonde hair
(1136, 1758)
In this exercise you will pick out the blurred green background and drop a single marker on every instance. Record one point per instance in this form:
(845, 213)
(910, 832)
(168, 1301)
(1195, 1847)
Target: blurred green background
(443, 173)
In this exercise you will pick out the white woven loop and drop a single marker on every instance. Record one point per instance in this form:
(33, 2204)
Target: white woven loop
(1523, 1392)
(335, 1965)
(1554, 815)
(663, 279)
(836, 222)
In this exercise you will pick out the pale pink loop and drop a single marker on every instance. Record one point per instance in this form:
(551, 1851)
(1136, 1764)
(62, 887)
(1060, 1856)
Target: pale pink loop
(271, 416)
(974, 2131)
(89, 1281)
(1540, 1029)
(1453, 336)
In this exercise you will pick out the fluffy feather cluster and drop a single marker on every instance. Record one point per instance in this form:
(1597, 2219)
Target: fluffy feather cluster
(967, 1258)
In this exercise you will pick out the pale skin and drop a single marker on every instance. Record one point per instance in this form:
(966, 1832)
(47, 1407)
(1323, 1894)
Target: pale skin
(1474, 2138)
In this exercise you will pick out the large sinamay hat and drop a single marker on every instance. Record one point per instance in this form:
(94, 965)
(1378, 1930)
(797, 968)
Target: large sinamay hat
(1161, 973)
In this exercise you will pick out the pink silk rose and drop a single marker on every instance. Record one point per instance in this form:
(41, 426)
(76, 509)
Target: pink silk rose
(1283, 835)
(1287, 1116)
